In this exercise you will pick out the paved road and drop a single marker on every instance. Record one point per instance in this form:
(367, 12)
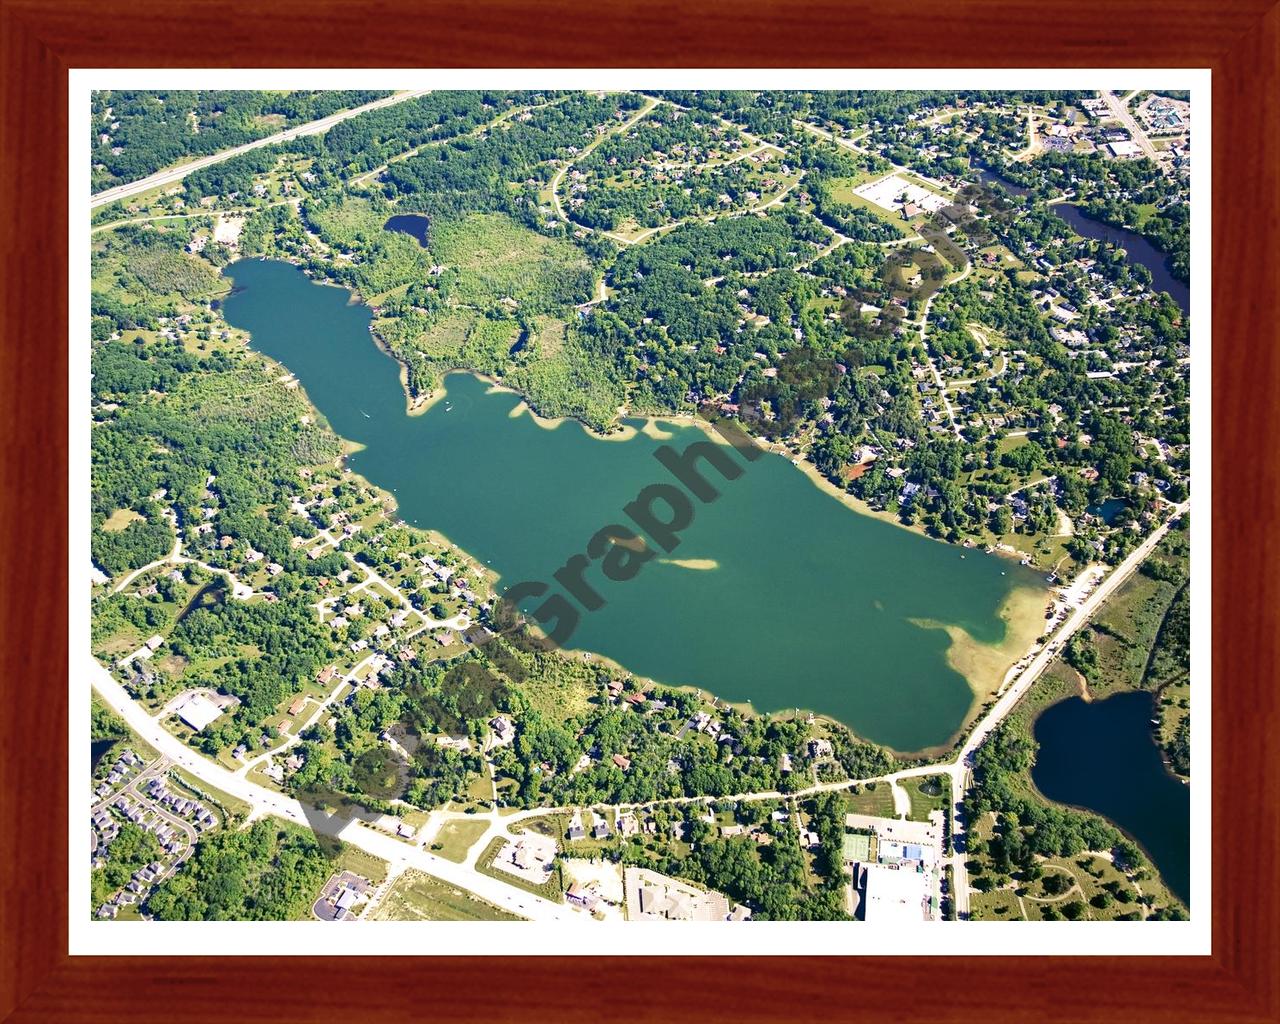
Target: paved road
(1074, 621)
(1120, 111)
(166, 177)
(620, 129)
(264, 801)
(960, 768)
(923, 324)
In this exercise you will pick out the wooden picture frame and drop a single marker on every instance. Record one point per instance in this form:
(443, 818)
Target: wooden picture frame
(42, 39)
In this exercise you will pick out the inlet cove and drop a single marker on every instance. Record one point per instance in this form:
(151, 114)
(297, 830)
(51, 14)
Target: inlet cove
(775, 593)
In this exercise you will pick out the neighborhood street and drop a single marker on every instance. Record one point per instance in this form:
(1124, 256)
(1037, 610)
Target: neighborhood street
(397, 853)
(401, 855)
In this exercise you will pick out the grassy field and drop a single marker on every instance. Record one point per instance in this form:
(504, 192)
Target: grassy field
(997, 905)
(456, 837)
(894, 217)
(932, 793)
(876, 800)
(353, 219)
(363, 864)
(144, 270)
(841, 189)
(121, 518)
(548, 336)
(498, 258)
(231, 805)
(1085, 888)
(418, 897)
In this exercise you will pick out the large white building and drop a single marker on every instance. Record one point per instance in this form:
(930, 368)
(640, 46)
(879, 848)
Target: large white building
(894, 895)
(198, 711)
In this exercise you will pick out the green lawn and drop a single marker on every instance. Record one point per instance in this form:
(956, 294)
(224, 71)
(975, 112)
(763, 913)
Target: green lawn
(841, 189)
(876, 800)
(121, 518)
(418, 897)
(998, 905)
(363, 864)
(1096, 881)
(456, 837)
(932, 793)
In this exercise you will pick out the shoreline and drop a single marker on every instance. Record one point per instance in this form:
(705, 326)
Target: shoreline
(1080, 808)
(984, 667)
(965, 655)
(651, 428)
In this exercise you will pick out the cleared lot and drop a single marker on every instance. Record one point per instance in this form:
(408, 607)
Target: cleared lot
(888, 193)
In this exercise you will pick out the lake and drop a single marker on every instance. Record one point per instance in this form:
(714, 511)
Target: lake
(1137, 249)
(414, 224)
(1101, 756)
(778, 593)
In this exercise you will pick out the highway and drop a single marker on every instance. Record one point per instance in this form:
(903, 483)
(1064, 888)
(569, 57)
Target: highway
(1078, 618)
(960, 768)
(1119, 109)
(399, 855)
(173, 174)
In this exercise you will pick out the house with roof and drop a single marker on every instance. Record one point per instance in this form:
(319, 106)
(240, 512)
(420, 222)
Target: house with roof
(584, 896)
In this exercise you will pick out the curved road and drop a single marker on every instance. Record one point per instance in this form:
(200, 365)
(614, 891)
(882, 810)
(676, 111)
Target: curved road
(264, 801)
(401, 856)
(165, 177)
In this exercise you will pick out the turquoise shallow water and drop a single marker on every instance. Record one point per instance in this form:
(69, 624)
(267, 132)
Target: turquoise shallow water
(809, 606)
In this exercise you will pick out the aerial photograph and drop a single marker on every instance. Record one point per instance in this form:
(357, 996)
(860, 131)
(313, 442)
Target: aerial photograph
(610, 506)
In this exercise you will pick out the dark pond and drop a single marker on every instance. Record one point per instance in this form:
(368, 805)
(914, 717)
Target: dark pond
(1108, 510)
(414, 224)
(1136, 248)
(1102, 756)
(991, 178)
(212, 593)
(96, 749)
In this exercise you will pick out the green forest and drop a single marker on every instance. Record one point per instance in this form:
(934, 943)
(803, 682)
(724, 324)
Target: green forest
(134, 134)
(979, 373)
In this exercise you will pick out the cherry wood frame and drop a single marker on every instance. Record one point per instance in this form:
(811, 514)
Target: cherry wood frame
(40, 39)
